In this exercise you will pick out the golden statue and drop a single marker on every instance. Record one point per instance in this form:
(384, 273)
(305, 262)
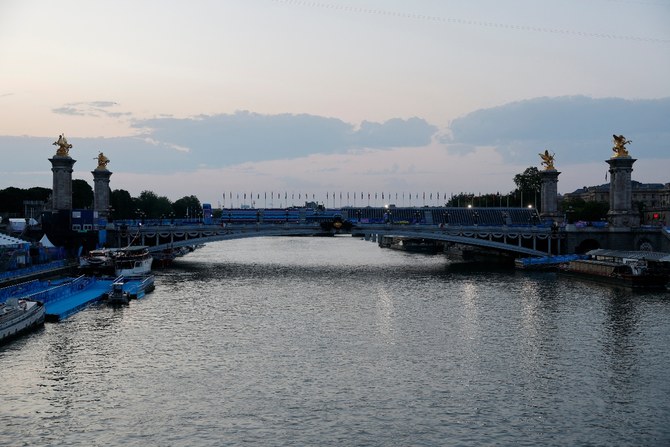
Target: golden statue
(102, 162)
(63, 146)
(547, 160)
(619, 148)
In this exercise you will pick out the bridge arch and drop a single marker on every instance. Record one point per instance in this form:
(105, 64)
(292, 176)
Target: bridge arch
(523, 241)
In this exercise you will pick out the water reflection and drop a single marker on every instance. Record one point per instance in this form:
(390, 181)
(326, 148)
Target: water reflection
(385, 313)
(336, 341)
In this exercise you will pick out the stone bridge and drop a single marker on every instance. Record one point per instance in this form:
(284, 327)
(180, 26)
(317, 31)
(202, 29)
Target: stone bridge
(518, 240)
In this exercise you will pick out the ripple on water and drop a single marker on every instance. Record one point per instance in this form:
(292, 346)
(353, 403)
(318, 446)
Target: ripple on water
(331, 341)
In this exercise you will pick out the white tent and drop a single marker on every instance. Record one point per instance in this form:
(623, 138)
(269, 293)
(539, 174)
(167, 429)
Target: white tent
(46, 242)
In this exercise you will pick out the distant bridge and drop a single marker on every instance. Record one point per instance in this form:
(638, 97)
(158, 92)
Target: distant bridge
(510, 230)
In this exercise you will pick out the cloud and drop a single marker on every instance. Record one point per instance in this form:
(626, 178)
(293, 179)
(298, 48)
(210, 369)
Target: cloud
(576, 128)
(225, 139)
(394, 133)
(480, 152)
(101, 104)
(67, 110)
(92, 108)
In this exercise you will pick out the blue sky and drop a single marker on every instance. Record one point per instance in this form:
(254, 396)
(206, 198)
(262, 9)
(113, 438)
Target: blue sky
(207, 97)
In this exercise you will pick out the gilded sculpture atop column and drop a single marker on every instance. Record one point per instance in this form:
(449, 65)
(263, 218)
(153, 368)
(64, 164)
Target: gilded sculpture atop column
(547, 160)
(102, 161)
(63, 146)
(619, 148)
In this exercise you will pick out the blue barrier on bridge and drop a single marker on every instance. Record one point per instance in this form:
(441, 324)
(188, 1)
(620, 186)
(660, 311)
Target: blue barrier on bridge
(408, 215)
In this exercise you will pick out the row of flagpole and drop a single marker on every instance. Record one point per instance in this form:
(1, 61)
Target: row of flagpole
(332, 199)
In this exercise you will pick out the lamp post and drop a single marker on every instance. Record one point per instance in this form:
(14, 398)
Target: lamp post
(140, 215)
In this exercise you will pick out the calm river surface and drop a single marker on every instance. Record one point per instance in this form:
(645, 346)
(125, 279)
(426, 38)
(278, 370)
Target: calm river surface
(334, 341)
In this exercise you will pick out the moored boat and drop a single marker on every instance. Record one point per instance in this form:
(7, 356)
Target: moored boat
(123, 289)
(633, 269)
(98, 261)
(132, 261)
(117, 295)
(19, 316)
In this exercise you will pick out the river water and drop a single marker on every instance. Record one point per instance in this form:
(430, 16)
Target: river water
(335, 341)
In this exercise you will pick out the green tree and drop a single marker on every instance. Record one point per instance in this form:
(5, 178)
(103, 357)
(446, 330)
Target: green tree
(11, 201)
(38, 193)
(187, 205)
(152, 206)
(122, 204)
(82, 194)
(528, 186)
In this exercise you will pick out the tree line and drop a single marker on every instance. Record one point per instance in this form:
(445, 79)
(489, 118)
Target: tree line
(122, 205)
(527, 192)
(152, 206)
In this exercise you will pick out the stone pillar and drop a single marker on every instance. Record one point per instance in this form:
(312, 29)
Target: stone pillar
(621, 213)
(549, 195)
(101, 191)
(61, 166)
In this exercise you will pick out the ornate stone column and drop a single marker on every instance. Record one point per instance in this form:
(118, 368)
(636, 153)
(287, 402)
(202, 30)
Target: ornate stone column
(549, 195)
(549, 191)
(61, 166)
(621, 213)
(101, 177)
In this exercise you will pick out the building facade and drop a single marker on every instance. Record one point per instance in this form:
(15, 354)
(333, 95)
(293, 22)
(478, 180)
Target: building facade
(655, 198)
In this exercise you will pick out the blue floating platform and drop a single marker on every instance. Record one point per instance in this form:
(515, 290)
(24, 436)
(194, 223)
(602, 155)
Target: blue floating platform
(62, 308)
(68, 296)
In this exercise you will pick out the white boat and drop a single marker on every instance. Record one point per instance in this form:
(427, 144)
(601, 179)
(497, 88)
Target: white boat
(19, 316)
(132, 261)
(98, 261)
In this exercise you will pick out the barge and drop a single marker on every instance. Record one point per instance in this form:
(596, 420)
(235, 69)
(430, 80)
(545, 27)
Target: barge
(632, 269)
